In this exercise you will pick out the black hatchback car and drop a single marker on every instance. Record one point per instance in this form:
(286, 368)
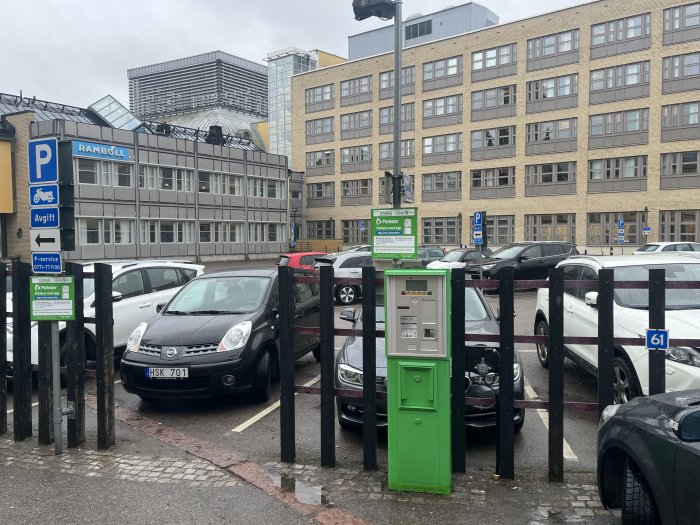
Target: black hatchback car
(530, 260)
(482, 369)
(219, 335)
(649, 458)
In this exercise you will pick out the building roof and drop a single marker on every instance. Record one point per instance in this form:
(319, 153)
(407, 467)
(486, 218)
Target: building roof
(195, 60)
(44, 110)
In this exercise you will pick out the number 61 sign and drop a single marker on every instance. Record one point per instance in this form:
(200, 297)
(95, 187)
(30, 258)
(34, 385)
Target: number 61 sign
(657, 339)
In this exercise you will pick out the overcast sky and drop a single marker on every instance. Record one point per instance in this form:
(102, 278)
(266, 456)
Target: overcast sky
(77, 51)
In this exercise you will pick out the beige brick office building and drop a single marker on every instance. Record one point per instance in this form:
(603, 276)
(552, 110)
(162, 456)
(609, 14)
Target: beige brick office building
(557, 126)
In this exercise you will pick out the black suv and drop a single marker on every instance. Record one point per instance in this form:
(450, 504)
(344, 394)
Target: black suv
(530, 260)
(218, 335)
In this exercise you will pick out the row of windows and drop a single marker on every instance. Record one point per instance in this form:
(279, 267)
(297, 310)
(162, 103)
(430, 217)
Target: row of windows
(601, 228)
(122, 231)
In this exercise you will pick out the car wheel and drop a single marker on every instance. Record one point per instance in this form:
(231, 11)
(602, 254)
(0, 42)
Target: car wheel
(345, 294)
(542, 328)
(638, 506)
(519, 425)
(261, 384)
(625, 386)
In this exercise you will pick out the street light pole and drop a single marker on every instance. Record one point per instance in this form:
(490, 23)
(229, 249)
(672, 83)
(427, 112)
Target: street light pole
(397, 104)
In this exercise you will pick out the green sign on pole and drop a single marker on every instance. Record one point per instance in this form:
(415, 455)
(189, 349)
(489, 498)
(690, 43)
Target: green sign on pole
(52, 299)
(394, 233)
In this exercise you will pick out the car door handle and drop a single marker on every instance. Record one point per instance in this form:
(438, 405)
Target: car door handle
(570, 309)
(145, 305)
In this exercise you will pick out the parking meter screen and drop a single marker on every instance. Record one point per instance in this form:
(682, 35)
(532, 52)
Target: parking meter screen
(416, 286)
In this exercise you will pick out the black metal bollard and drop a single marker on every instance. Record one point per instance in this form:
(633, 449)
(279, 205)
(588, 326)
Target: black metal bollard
(505, 466)
(606, 336)
(286, 361)
(327, 376)
(459, 364)
(3, 351)
(45, 384)
(657, 320)
(369, 367)
(21, 352)
(104, 349)
(75, 361)
(555, 349)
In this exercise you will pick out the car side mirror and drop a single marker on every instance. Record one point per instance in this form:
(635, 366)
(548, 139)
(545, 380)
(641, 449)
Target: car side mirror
(275, 312)
(522, 258)
(591, 299)
(116, 297)
(687, 427)
(348, 314)
(159, 307)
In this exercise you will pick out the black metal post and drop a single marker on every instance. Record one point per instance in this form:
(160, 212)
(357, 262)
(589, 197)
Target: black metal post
(75, 361)
(45, 384)
(369, 367)
(555, 349)
(606, 336)
(459, 364)
(21, 352)
(104, 349)
(506, 455)
(3, 351)
(327, 373)
(286, 360)
(657, 320)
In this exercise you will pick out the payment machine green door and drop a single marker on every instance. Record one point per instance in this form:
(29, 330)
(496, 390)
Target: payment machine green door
(418, 380)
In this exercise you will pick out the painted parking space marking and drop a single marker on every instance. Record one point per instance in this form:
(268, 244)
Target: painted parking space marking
(544, 416)
(10, 411)
(257, 417)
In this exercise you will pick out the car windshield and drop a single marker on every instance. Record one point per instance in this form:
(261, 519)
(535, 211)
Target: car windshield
(676, 299)
(507, 252)
(219, 296)
(648, 248)
(453, 256)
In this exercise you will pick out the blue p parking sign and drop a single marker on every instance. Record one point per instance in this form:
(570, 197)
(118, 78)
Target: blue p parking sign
(43, 160)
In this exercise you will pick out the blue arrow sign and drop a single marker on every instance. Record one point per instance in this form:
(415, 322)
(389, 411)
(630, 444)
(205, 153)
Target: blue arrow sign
(43, 160)
(43, 195)
(44, 218)
(46, 262)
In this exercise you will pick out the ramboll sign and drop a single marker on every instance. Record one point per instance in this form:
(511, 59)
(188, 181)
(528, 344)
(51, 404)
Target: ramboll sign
(100, 151)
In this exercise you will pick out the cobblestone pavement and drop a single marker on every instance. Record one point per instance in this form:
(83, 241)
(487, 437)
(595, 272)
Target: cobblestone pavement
(195, 472)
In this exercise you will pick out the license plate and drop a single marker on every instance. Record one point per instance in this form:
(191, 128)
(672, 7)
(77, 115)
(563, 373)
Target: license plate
(167, 373)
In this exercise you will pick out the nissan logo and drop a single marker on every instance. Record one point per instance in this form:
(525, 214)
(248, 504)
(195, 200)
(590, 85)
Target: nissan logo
(171, 352)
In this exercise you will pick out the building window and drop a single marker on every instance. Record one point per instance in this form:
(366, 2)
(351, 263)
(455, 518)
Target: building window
(620, 82)
(322, 190)
(441, 230)
(557, 227)
(553, 50)
(681, 73)
(320, 229)
(602, 228)
(266, 232)
(123, 178)
(166, 179)
(549, 88)
(184, 180)
(356, 86)
(618, 168)
(619, 31)
(440, 182)
(319, 159)
(682, 23)
(87, 171)
(90, 231)
(493, 143)
(622, 128)
(352, 233)
(564, 129)
(148, 231)
(494, 57)
(420, 29)
(123, 231)
(680, 226)
(356, 155)
(680, 170)
(353, 121)
(442, 144)
(386, 149)
(493, 177)
(319, 94)
(408, 77)
(319, 127)
(185, 231)
(357, 188)
(559, 172)
(438, 107)
(445, 67)
(167, 232)
(205, 231)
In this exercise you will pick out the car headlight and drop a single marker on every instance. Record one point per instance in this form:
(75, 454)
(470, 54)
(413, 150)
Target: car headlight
(236, 337)
(488, 266)
(132, 344)
(516, 372)
(608, 412)
(681, 354)
(351, 375)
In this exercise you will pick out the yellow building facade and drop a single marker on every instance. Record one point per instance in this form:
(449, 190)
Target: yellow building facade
(557, 126)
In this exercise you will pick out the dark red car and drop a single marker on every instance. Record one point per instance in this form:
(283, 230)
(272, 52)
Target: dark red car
(303, 260)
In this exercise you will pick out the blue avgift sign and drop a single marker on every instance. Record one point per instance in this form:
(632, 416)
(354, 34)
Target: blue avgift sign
(100, 151)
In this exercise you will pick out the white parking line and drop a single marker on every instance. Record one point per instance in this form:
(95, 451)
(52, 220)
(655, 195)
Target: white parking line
(257, 417)
(12, 409)
(544, 416)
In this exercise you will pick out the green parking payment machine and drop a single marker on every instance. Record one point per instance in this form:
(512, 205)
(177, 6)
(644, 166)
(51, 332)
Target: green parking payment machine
(418, 379)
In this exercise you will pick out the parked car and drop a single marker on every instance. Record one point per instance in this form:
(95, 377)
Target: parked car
(668, 247)
(219, 335)
(428, 253)
(346, 265)
(359, 248)
(137, 288)
(459, 257)
(631, 319)
(649, 458)
(530, 260)
(479, 319)
(304, 260)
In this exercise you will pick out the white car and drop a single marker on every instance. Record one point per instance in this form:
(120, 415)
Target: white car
(631, 319)
(668, 247)
(138, 287)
